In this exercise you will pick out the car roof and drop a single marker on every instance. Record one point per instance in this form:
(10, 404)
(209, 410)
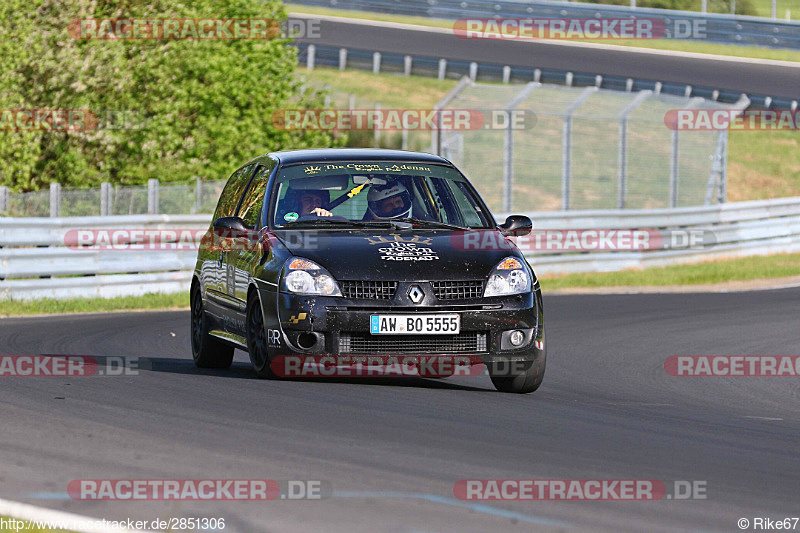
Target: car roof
(355, 154)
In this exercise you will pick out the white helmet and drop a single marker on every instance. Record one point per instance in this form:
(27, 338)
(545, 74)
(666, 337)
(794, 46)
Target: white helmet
(381, 209)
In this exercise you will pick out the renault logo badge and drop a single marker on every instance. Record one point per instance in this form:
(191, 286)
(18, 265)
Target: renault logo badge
(415, 294)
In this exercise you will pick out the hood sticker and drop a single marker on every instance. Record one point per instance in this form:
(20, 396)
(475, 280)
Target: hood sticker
(400, 249)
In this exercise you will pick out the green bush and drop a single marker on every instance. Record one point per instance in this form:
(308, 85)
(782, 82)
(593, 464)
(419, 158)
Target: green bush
(203, 106)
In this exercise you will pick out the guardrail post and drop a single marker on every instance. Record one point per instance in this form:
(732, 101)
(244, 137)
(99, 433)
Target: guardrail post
(152, 196)
(568, 79)
(376, 62)
(4, 199)
(774, 9)
(105, 199)
(506, 74)
(473, 71)
(508, 144)
(704, 6)
(342, 58)
(537, 75)
(566, 146)
(442, 68)
(310, 56)
(55, 199)
(407, 60)
(404, 139)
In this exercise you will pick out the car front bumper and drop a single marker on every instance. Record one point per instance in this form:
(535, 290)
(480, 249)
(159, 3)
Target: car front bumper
(315, 325)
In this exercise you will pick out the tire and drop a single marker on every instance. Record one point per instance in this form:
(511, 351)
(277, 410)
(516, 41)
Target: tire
(257, 346)
(207, 351)
(527, 380)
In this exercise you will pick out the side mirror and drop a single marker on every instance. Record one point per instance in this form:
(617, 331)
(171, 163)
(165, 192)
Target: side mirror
(517, 226)
(230, 223)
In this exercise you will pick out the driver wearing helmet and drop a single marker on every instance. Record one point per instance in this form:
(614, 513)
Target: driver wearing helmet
(388, 201)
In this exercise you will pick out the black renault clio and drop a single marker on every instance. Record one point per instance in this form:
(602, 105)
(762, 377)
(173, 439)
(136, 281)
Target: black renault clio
(343, 252)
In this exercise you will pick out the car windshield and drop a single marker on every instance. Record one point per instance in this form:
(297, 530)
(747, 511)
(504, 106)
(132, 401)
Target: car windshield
(376, 192)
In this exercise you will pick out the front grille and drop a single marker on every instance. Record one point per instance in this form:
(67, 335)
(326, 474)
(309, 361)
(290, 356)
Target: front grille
(457, 290)
(371, 290)
(364, 343)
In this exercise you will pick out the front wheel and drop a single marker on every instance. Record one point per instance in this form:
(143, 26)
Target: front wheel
(257, 340)
(519, 377)
(207, 351)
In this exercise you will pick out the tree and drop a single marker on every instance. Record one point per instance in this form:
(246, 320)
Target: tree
(169, 109)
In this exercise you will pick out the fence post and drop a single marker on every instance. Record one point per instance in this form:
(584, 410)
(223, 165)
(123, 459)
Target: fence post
(673, 170)
(442, 68)
(566, 146)
(311, 56)
(375, 126)
(407, 60)
(4, 199)
(376, 62)
(105, 199)
(508, 144)
(436, 136)
(198, 192)
(342, 58)
(404, 139)
(622, 149)
(55, 199)
(723, 178)
(152, 196)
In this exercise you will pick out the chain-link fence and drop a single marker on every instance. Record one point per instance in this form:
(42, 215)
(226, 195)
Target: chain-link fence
(585, 148)
(154, 198)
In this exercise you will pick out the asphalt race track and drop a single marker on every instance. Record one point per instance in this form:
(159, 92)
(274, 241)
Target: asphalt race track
(776, 79)
(393, 449)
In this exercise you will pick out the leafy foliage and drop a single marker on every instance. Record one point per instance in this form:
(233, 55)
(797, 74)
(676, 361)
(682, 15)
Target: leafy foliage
(197, 107)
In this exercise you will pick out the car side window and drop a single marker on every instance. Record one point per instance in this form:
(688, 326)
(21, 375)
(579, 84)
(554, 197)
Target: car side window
(250, 210)
(229, 199)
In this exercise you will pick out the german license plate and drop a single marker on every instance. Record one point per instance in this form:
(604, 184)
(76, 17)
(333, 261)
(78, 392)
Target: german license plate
(438, 324)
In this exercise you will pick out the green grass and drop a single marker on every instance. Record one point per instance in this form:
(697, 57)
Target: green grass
(48, 306)
(764, 8)
(659, 44)
(709, 272)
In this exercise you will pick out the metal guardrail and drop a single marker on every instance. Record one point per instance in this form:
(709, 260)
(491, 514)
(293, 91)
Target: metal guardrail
(720, 28)
(312, 55)
(35, 263)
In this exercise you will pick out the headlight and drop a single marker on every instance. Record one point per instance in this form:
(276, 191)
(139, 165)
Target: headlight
(509, 277)
(301, 276)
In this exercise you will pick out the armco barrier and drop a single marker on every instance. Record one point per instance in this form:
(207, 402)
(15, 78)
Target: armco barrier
(729, 29)
(35, 263)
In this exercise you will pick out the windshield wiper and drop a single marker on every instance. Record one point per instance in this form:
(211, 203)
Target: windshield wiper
(432, 223)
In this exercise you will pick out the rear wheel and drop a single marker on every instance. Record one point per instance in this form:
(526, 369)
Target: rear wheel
(207, 351)
(519, 378)
(257, 340)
